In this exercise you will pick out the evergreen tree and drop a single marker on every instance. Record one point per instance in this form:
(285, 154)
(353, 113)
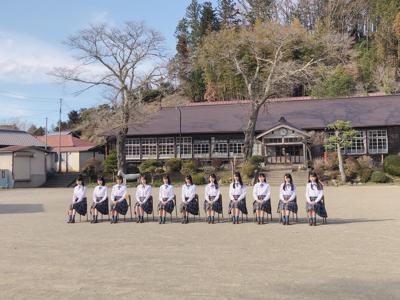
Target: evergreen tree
(227, 13)
(208, 19)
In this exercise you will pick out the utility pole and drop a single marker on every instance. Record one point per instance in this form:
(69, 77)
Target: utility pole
(45, 135)
(59, 139)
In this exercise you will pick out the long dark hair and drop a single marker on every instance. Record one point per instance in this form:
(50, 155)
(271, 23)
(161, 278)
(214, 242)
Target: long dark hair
(319, 184)
(101, 178)
(80, 178)
(213, 176)
(237, 174)
(288, 175)
(189, 177)
(119, 177)
(142, 177)
(263, 176)
(167, 177)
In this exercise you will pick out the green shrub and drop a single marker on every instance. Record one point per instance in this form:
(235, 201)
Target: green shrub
(188, 167)
(248, 169)
(351, 167)
(217, 163)
(150, 167)
(226, 179)
(365, 174)
(256, 160)
(157, 182)
(92, 168)
(380, 177)
(331, 163)
(208, 170)
(319, 166)
(391, 165)
(132, 169)
(173, 165)
(366, 161)
(339, 83)
(199, 178)
(111, 162)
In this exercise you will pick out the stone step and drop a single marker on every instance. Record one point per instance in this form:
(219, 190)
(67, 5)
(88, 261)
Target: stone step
(60, 180)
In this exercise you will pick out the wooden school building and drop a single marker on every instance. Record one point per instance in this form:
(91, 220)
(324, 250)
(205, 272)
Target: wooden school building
(288, 130)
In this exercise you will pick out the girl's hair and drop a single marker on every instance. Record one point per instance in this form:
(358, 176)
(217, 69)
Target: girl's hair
(80, 178)
(103, 182)
(263, 176)
(213, 176)
(288, 175)
(237, 174)
(167, 177)
(119, 177)
(188, 177)
(319, 184)
(143, 177)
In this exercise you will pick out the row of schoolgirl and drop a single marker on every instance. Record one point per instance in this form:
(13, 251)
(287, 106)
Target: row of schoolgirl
(190, 200)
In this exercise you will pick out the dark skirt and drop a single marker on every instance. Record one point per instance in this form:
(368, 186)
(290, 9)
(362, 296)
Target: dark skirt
(241, 205)
(147, 206)
(192, 207)
(290, 206)
(121, 207)
(318, 207)
(80, 207)
(102, 207)
(214, 206)
(168, 207)
(264, 206)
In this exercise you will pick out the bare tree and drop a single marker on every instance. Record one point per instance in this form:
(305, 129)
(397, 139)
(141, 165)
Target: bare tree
(272, 59)
(124, 60)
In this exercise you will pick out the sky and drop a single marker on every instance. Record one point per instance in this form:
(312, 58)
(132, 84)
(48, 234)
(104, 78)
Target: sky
(31, 36)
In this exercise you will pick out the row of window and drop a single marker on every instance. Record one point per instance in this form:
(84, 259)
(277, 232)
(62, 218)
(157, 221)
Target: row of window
(147, 147)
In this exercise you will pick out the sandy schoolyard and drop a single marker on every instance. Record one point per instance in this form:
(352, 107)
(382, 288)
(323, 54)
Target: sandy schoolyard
(355, 256)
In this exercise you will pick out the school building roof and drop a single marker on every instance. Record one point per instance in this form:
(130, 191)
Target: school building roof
(307, 114)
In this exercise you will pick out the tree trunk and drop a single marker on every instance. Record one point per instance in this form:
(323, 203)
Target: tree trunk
(340, 160)
(249, 133)
(121, 157)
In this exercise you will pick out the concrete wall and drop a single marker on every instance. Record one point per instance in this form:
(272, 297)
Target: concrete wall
(6, 164)
(35, 161)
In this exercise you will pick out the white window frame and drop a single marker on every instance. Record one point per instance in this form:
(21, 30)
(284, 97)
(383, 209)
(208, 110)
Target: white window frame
(220, 148)
(166, 147)
(149, 147)
(236, 147)
(358, 144)
(132, 148)
(377, 137)
(201, 148)
(186, 145)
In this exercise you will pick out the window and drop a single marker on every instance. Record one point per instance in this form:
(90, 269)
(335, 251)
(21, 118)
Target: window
(357, 144)
(185, 146)
(236, 147)
(166, 147)
(377, 141)
(293, 140)
(132, 148)
(273, 140)
(220, 148)
(201, 148)
(149, 147)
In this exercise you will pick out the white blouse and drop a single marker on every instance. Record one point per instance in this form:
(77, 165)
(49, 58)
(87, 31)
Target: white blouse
(79, 193)
(166, 191)
(188, 191)
(119, 190)
(211, 190)
(238, 190)
(313, 191)
(143, 191)
(100, 191)
(290, 190)
(262, 189)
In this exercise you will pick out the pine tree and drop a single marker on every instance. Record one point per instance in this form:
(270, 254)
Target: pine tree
(208, 19)
(227, 13)
(193, 12)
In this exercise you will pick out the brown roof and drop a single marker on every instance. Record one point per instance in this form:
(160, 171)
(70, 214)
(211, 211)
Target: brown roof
(231, 117)
(12, 149)
(69, 143)
(10, 137)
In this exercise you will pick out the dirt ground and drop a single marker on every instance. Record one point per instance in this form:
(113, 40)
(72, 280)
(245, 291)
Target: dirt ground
(355, 256)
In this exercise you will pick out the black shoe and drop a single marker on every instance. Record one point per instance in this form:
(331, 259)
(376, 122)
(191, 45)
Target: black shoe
(141, 220)
(183, 221)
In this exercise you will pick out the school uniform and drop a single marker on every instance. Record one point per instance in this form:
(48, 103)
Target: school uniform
(166, 197)
(213, 198)
(144, 198)
(79, 200)
(190, 200)
(119, 194)
(287, 192)
(237, 196)
(100, 199)
(262, 192)
(315, 200)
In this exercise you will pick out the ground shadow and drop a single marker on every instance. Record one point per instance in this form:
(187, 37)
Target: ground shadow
(20, 208)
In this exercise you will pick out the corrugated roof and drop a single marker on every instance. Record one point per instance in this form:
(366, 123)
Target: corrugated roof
(10, 137)
(305, 114)
(12, 149)
(69, 143)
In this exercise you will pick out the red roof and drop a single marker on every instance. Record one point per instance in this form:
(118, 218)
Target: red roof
(69, 143)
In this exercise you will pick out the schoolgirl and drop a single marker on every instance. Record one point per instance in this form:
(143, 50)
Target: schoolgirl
(144, 200)
(287, 199)
(100, 200)
(190, 200)
(119, 195)
(213, 199)
(166, 198)
(262, 198)
(315, 199)
(79, 200)
(237, 196)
